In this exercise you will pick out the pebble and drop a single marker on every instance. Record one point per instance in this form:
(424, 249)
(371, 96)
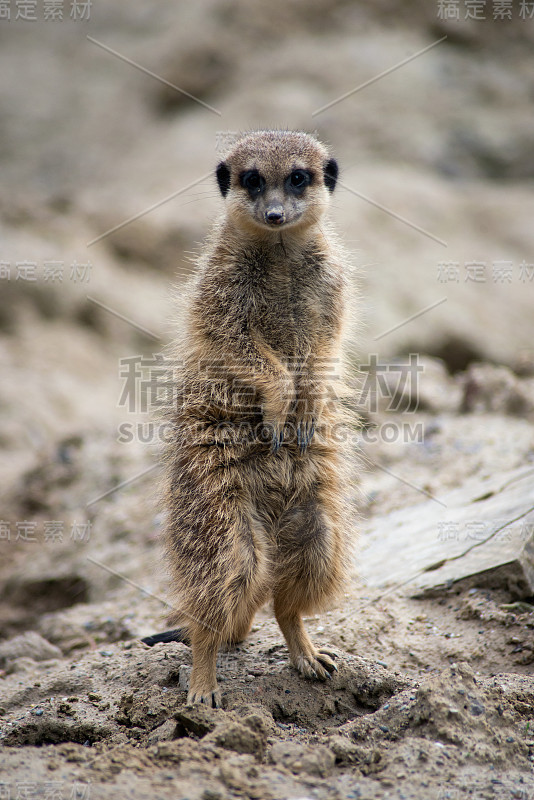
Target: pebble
(28, 645)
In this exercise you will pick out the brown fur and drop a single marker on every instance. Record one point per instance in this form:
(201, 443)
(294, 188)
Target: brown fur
(252, 515)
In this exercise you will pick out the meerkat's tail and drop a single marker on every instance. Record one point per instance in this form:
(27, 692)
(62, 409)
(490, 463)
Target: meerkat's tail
(176, 635)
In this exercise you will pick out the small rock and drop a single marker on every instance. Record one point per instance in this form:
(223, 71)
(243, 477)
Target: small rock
(29, 645)
(165, 732)
(345, 751)
(259, 720)
(496, 389)
(211, 794)
(237, 737)
(298, 758)
(198, 719)
(22, 664)
(384, 728)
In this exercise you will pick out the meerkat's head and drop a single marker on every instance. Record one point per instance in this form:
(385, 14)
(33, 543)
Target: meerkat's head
(274, 180)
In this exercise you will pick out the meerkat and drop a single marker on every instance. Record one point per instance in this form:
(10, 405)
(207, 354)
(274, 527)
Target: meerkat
(254, 494)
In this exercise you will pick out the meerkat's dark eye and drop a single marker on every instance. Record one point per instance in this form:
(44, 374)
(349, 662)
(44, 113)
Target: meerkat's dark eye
(298, 180)
(253, 182)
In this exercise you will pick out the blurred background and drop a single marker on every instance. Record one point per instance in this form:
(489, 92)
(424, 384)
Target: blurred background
(435, 202)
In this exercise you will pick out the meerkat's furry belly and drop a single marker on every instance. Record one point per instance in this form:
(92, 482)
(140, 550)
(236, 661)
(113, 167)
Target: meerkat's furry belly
(219, 462)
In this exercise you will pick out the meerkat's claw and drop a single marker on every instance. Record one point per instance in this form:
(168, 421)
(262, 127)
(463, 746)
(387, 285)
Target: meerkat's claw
(328, 652)
(305, 431)
(211, 699)
(325, 657)
(323, 673)
(317, 665)
(216, 699)
(277, 438)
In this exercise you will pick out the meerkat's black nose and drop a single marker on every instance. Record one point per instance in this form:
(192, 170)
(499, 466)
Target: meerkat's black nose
(275, 216)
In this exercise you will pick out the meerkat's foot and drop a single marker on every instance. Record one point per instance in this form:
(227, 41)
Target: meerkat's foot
(211, 698)
(310, 661)
(203, 686)
(317, 664)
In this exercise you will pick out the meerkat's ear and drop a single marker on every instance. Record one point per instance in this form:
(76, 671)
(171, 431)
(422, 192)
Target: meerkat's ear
(223, 178)
(331, 171)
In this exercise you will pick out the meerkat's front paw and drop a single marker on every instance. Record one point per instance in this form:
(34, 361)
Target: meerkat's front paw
(307, 412)
(275, 412)
(318, 664)
(211, 698)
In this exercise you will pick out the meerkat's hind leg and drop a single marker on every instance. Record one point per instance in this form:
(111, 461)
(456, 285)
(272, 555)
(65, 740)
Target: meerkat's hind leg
(235, 586)
(176, 635)
(205, 644)
(203, 686)
(308, 660)
(308, 573)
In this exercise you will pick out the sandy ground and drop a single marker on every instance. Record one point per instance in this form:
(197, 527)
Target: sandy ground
(433, 698)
